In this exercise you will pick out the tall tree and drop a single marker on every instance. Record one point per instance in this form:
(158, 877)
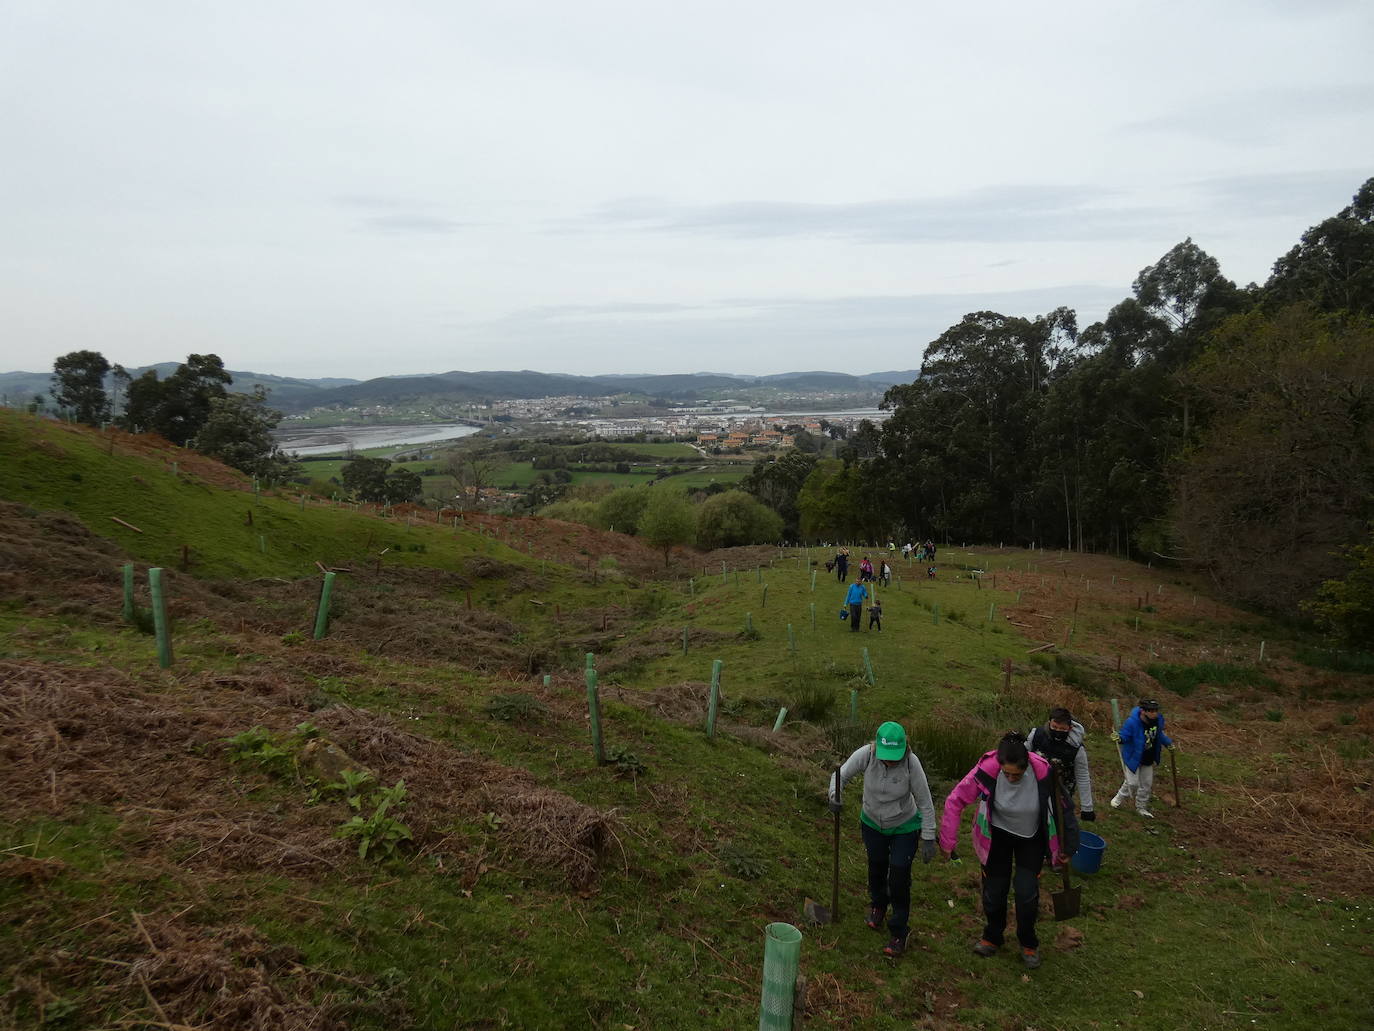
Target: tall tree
(1283, 475)
(238, 432)
(668, 520)
(1332, 266)
(178, 406)
(78, 385)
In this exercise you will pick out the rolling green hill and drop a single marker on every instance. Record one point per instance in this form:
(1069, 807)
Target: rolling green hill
(180, 846)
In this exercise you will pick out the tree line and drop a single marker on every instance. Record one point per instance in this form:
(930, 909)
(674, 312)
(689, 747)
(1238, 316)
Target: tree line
(1226, 428)
(192, 408)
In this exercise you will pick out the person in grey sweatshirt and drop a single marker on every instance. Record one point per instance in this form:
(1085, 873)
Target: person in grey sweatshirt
(897, 814)
(1060, 741)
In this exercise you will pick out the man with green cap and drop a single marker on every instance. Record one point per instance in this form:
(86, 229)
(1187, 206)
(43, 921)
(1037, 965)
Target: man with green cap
(897, 811)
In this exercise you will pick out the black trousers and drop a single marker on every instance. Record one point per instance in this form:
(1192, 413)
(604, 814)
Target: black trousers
(889, 875)
(855, 611)
(1028, 855)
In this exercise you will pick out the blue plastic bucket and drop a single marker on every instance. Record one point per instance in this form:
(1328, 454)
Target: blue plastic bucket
(1088, 858)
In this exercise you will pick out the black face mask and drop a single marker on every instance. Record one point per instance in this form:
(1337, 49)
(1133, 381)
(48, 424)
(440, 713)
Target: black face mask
(1059, 735)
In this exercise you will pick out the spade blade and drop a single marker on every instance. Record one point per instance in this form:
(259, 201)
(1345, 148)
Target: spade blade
(1066, 903)
(815, 912)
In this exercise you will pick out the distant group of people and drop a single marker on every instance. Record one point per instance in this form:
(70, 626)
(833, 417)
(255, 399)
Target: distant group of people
(1024, 789)
(919, 552)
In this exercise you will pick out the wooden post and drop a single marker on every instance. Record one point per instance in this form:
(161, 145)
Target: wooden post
(1006, 676)
(594, 711)
(160, 627)
(128, 611)
(684, 640)
(748, 622)
(714, 702)
(765, 596)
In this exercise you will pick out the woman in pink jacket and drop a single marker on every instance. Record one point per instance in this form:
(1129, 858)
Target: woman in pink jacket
(1014, 825)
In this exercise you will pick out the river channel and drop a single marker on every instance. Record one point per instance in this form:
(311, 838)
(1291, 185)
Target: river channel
(333, 439)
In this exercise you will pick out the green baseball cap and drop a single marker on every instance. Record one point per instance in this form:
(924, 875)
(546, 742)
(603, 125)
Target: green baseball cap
(891, 741)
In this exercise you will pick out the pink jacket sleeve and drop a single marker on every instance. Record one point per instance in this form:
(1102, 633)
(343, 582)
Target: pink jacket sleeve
(964, 793)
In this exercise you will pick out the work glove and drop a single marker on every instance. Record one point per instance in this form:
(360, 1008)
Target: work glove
(1172, 746)
(1088, 815)
(927, 849)
(1116, 737)
(835, 807)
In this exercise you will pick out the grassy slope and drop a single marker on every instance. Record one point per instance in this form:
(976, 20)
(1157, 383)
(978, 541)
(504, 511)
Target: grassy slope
(670, 937)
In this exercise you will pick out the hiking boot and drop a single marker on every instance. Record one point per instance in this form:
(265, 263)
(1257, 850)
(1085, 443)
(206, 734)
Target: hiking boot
(1146, 814)
(874, 920)
(895, 948)
(1030, 957)
(985, 948)
(1116, 802)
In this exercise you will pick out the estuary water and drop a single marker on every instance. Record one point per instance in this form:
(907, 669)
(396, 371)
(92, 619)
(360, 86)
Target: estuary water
(331, 439)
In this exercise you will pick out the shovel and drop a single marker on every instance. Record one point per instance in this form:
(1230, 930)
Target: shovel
(1066, 902)
(815, 912)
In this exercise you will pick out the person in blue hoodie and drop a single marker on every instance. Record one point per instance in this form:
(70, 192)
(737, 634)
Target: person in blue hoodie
(858, 594)
(1141, 738)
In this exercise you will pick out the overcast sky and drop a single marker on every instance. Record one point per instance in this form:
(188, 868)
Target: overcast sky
(344, 188)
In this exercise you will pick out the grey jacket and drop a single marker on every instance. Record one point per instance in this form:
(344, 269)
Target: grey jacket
(892, 794)
(1082, 778)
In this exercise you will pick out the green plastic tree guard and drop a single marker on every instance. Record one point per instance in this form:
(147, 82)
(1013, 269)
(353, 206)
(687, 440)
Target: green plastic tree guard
(748, 622)
(813, 580)
(782, 715)
(164, 637)
(868, 669)
(935, 613)
(781, 959)
(684, 640)
(813, 616)
(322, 614)
(791, 639)
(854, 705)
(765, 596)
(128, 612)
(715, 699)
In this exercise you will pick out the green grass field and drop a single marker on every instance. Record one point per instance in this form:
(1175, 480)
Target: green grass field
(1188, 925)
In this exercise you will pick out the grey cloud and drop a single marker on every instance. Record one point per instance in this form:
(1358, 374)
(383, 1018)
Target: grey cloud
(996, 214)
(1257, 116)
(412, 223)
(1280, 193)
(758, 332)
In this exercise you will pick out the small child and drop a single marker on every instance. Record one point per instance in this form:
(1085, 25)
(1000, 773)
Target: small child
(930, 573)
(875, 614)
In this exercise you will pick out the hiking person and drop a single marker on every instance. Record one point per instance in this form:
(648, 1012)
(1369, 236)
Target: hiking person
(1060, 741)
(1141, 737)
(885, 575)
(1014, 827)
(842, 565)
(897, 811)
(865, 570)
(858, 594)
(875, 614)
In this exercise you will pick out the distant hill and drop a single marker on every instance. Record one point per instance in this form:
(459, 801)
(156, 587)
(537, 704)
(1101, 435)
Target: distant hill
(298, 394)
(19, 387)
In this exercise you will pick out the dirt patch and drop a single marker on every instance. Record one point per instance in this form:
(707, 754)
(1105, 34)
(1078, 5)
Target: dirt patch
(536, 825)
